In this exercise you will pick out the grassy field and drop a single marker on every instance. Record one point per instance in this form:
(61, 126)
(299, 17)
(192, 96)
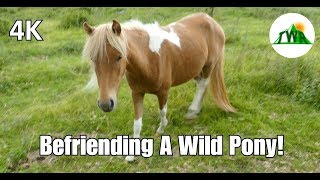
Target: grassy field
(41, 92)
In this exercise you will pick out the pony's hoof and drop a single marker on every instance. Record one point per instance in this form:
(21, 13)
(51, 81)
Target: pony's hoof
(191, 115)
(157, 134)
(130, 158)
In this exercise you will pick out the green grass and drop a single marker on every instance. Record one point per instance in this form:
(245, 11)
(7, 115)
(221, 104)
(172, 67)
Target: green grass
(41, 92)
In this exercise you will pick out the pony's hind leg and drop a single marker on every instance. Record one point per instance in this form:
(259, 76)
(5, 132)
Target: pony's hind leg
(162, 98)
(195, 107)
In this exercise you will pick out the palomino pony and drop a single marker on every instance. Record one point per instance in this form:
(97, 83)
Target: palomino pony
(155, 58)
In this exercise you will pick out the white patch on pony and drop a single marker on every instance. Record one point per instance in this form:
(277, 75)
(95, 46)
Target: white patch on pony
(137, 127)
(156, 34)
(196, 103)
(136, 134)
(163, 119)
(172, 24)
(92, 83)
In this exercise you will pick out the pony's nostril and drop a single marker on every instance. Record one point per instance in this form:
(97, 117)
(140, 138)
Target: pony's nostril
(111, 104)
(107, 106)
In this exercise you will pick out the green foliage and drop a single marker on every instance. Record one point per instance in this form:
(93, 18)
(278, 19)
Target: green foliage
(71, 47)
(309, 92)
(74, 18)
(4, 27)
(297, 79)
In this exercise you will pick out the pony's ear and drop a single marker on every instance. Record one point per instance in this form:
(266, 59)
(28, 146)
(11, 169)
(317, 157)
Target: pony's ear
(88, 28)
(116, 28)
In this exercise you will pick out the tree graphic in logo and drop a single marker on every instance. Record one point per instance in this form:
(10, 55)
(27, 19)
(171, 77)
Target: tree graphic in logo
(293, 35)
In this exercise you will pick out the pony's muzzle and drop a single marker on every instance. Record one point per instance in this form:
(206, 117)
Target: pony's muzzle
(107, 106)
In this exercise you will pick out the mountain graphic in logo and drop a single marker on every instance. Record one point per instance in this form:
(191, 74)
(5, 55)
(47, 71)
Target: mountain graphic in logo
(293, 35)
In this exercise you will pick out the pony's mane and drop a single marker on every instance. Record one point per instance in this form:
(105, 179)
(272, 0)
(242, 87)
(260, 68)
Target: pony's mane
(136, 24)
(95, 47)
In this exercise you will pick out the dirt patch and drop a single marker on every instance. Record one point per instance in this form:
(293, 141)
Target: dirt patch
(34, 157)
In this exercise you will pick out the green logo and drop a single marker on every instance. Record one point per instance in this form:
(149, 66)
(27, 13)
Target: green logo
(293, 36)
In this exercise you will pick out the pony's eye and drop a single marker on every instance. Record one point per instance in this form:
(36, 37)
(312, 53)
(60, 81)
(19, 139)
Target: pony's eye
(118, 58)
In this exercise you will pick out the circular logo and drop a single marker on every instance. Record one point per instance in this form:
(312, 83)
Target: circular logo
(292, 35)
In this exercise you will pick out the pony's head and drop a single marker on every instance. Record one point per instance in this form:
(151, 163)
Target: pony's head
(107, 48)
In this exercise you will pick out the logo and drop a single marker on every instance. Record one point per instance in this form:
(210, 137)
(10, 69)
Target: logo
(292, 35)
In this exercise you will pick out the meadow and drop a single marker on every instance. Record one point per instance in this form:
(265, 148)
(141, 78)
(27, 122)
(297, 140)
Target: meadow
(42, 92)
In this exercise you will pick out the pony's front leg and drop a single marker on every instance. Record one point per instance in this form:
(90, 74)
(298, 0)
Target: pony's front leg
(138, 111)
(162, 98)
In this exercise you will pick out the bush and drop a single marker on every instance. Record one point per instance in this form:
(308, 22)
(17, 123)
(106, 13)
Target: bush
(298, 79)
(4, 27)
(71, 47)
(74, 18)
(309, 92)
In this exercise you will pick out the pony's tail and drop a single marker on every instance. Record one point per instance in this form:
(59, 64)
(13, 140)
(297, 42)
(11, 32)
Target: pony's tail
(218, 87)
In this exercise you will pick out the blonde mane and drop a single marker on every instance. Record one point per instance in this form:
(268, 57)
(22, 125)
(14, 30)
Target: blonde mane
(95, 47)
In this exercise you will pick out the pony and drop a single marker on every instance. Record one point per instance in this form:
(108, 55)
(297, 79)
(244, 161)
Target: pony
(154, 58)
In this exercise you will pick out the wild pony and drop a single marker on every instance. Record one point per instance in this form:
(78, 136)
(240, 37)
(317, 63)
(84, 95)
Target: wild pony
(155, 58)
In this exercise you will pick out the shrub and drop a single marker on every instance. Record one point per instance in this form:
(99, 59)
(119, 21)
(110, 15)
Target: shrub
(4, 27)
(298, 79)
(74, 18)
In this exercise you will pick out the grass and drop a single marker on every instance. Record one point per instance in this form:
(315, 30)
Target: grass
(41, 92)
